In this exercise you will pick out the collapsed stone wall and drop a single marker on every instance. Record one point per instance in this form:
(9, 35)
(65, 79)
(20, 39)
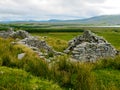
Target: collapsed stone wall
(90, 47)
(86, 47)
(6, 34)
(21, 34)
(36, 44)
(30, 41)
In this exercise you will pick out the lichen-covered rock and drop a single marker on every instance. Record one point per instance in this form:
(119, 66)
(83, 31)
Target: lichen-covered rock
(20, 34)
(93, 51)
(37, 44)
(90, 47)
(6, 34)
(23, 37)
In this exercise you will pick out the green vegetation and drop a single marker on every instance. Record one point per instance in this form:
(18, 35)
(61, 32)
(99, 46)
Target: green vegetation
(107, 72)
(57, 44)
(69, 75)
(62, 73)
(111, 36)
(108, 78)
(16, 79)
(62, 36)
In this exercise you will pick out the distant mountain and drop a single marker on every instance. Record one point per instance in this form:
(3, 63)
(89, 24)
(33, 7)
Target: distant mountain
(97, 20)
(104, 19)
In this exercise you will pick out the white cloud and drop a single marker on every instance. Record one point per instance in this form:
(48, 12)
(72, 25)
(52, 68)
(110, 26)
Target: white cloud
(59, 9)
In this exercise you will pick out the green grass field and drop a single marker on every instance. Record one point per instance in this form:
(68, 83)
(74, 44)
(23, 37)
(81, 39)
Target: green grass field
(112, 37)
(33, 73)
(17, 79)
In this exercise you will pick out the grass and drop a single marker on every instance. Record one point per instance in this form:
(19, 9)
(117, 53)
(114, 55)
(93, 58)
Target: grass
(62, 36)
(111, 36)
(107, 73)
(63, 72)
(16, 79)
(108, 78)
(72, 75)
(31, 71)
(57, 44)
(103, 67)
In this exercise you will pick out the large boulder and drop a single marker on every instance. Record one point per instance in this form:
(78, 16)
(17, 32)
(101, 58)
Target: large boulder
(90, 47)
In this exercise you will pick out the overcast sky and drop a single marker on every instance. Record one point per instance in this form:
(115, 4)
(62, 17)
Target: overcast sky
(56, 9)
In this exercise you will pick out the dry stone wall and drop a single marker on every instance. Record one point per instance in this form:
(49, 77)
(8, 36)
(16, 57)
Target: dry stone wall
(30, 41)
(86, 47)
(90, 47)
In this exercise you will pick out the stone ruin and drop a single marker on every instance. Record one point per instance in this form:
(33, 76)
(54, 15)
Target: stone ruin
(36, 44)
(32, 42)
(21, 34)
(89, 47)
(6, 34)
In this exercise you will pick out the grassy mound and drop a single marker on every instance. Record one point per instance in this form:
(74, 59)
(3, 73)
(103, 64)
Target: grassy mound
(16, 79)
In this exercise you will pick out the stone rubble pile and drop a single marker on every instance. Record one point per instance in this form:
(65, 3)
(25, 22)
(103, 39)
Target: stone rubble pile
(36, 44)
(90, 47)
(87, 47)
(21, 34)
(6, 34)
(30, 41)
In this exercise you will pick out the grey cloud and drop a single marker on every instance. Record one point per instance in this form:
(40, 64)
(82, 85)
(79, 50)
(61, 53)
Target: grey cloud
(46, 9)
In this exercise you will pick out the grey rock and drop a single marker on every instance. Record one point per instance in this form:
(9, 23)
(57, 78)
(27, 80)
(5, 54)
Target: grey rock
(34, 48)
(23, 37)
(6, 34)
(36, 44)
(90, 47)
(20, 34)
(21, 56)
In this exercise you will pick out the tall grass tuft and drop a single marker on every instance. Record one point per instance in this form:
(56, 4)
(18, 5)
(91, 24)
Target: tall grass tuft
(36, 66)
(17, 79)
(113, 63)
(73, 75)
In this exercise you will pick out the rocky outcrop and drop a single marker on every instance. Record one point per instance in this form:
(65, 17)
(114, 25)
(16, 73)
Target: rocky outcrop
(90, 47)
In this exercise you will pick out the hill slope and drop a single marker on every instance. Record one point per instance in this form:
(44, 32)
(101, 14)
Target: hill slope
(104, 19)
(97, 20)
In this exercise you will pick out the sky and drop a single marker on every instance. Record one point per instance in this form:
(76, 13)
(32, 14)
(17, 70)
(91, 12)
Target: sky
(56, 9)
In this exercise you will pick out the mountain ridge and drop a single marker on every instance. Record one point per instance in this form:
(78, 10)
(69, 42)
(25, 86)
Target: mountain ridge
(103, 19)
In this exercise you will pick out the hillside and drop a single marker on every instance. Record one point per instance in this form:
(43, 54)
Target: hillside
(96, 20)
(104, 20)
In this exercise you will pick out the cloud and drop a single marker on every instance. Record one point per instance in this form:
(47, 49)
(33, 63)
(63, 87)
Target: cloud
(48, 9)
